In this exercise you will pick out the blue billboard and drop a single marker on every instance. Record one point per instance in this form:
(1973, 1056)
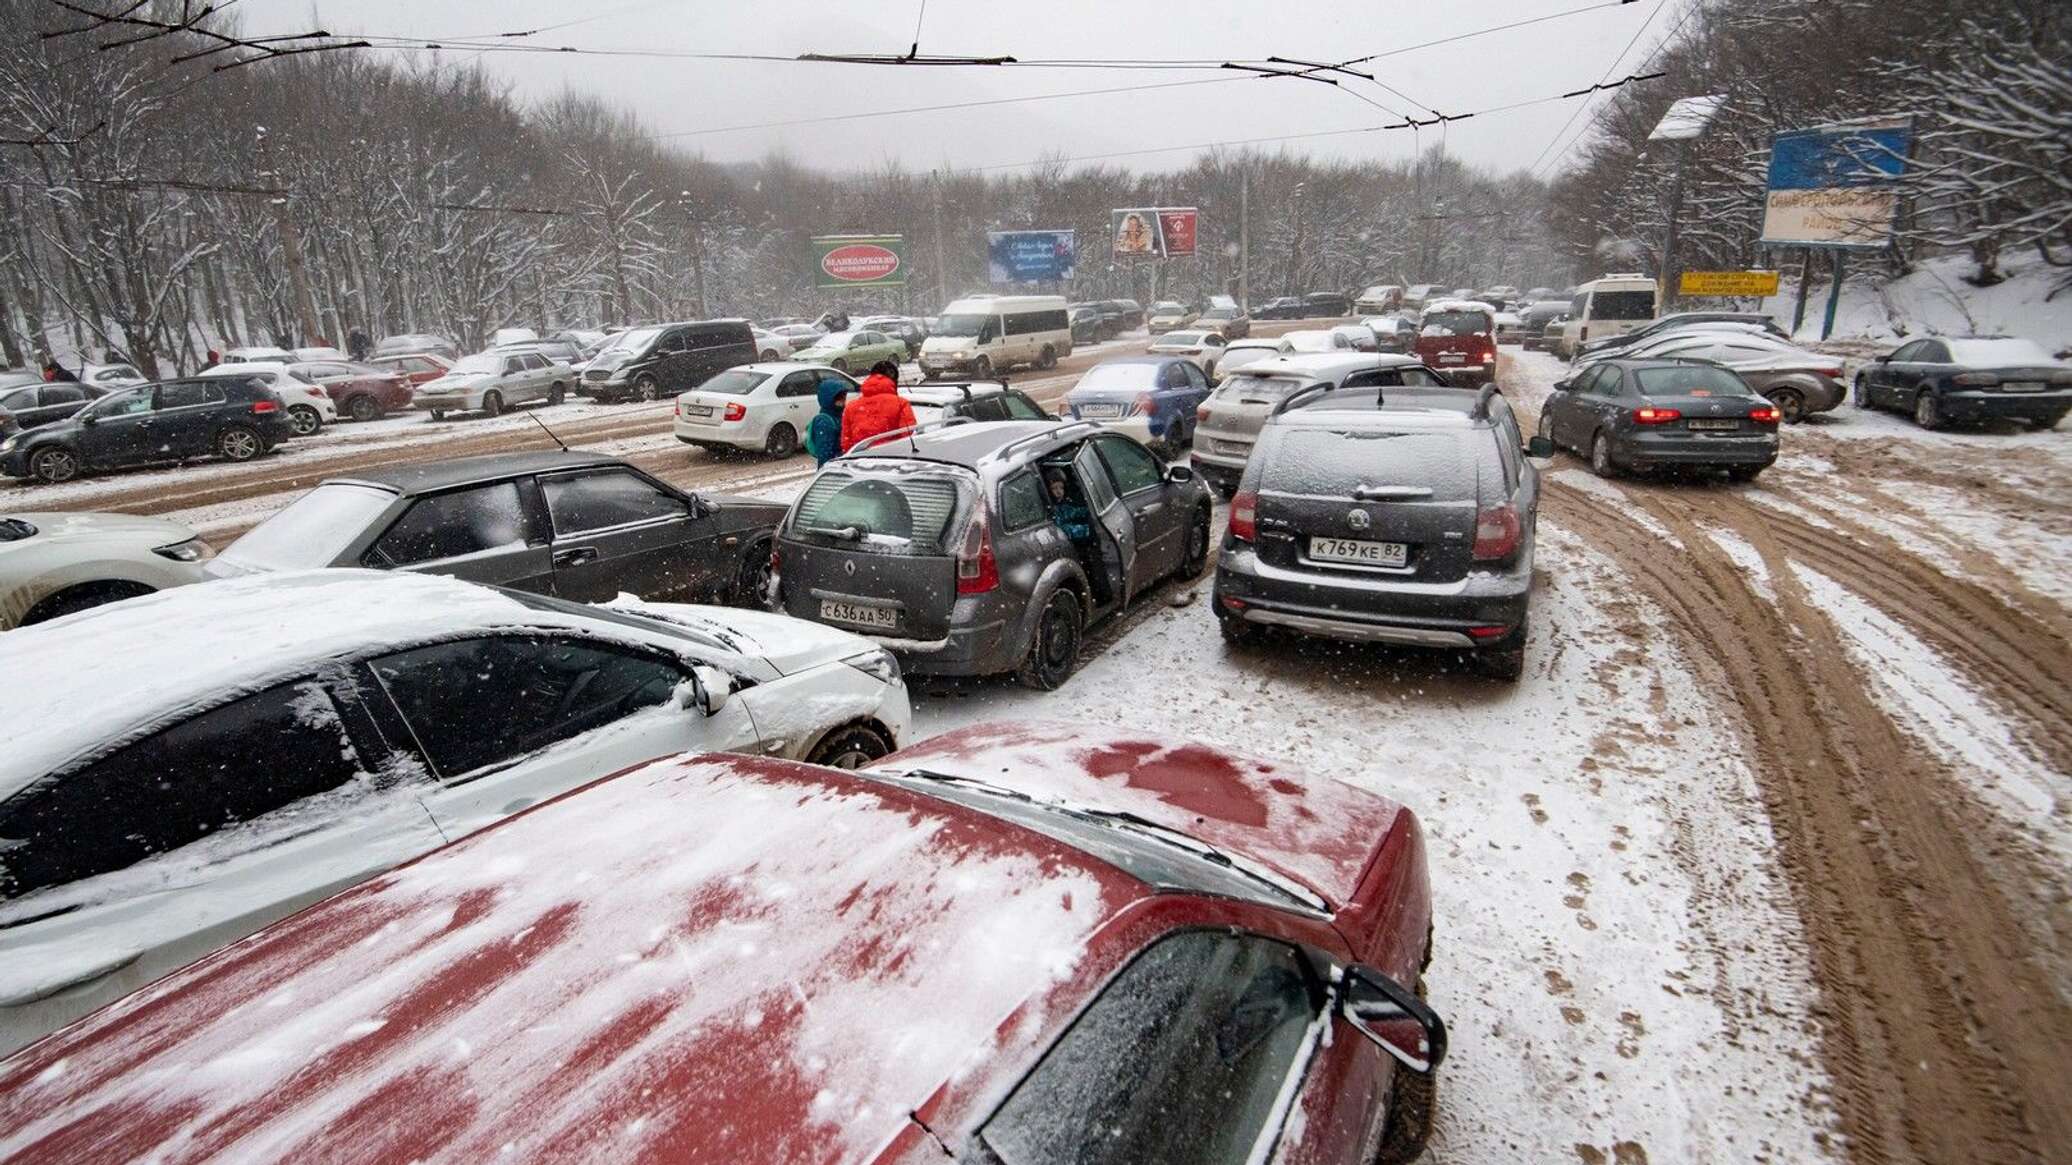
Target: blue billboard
(1030, 256)
(1836, 185)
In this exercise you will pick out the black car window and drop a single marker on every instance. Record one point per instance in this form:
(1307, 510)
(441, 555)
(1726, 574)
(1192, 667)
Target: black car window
(673, 342)
(19, 399)
(798, 384)
(1909, 351)
(1021, 408)
(480, 702)
(62, 394)
(187, 393)
(599, 501)
(512, 364)
(534, 361)
(449, 525)
(124, 404)
(986, 408)
(1422, 377)
(228, 765)
(1022, 502)
(1132, 467)
(1934, 352)
(1330, 463)
(1184, 1057)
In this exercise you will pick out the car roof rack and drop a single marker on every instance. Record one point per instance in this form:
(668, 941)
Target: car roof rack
(903, 434)
(961, 386)
(1059, 431)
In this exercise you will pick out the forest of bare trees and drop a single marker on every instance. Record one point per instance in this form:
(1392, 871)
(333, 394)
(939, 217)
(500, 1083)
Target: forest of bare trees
(1989, 86)
(144, 205)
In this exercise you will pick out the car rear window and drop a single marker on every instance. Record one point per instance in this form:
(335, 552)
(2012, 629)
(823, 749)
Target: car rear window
(733, 382)
(1330, 462)
(910, 510)
(1135, 377)
(1622, 305)
(1455, 323)
(313, 530)
(1693, 380)
(1263, 389)
(2002, 353)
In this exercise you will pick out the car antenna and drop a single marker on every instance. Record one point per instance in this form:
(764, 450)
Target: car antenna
(551, 433)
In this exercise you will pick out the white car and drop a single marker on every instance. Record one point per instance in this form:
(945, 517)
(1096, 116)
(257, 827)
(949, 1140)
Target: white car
(764, 406)
(769, 346)
(1359, 336)
(1205, 348)
(257, 355)
(107, 376)
(1244, 353)
(1316, 340)
(1166, 315)
(504, 336)
(193, 765)
(55, 564)
(321, 352)
(797, 336)
(309, 404)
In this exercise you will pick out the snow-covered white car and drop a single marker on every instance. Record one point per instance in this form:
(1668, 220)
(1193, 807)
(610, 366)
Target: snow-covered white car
(1205, 348)
(1359, 336)
(55, 564)
(1316, 340)
(192, 765)
(110, 376)
(764, 406)
(261, 354)
(309, 404)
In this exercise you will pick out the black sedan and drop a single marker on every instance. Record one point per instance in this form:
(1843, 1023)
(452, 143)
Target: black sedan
(31, 404)
(1940, 379)
(180, 420)
(1327, 304)
(1285, 307)
(1648, 414)
(582, 526)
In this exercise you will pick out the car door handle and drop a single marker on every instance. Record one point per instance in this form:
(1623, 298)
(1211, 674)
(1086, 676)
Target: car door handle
(575, 556)
(1153, 508)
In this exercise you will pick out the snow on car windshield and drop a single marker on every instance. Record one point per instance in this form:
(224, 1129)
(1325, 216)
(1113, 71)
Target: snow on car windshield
(733, 382)
(1998, 353)
(1130, 377)
(1455, 323)
(1330, 462)
(311, 531)
(1690, 380)
(488, 363)
(1237, 358)
(962, 326)
(910, 510)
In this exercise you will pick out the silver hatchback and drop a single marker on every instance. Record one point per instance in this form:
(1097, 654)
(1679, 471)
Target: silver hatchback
(1228, 423)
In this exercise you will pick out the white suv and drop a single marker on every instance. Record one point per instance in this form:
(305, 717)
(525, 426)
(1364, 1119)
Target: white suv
(309, 404)
(212, 758)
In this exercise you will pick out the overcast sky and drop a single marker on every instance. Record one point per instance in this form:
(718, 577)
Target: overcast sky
(675, 96)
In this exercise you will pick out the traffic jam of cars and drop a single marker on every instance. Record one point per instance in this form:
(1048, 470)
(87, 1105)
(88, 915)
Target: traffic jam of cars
(328, 752)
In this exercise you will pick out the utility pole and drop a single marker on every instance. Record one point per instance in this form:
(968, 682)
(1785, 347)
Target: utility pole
(1295, 250)
(697, 253)
(1671, 269)
(1244, 238)
(291, 248)
(942, 293)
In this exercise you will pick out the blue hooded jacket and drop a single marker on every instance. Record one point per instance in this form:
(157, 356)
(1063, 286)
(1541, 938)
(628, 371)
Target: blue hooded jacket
(824, 434)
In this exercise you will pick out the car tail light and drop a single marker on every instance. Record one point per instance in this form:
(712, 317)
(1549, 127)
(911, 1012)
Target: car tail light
(1650, 415)
(1975, 378)
(1830, 373)
(1766, 415)
(318, 390)
(1202, 413)
(262, 407)
(1244, 516)
(1496, 532)
(977, 570)
(1488, 632)
(679, 408)
(1147, 404)
(1582, 333)
(736, 411)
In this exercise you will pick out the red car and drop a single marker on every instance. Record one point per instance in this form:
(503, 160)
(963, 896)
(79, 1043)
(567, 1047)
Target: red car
(416, 367)
(1007, 945)
(363, 392)
(1457, 338)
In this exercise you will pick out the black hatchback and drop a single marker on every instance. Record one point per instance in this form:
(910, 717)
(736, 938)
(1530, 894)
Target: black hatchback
(1399, 516)
(179, 420)
(583, 526)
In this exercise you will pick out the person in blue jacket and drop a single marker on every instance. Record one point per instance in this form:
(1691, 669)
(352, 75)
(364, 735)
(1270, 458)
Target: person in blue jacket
(824, 433)
(1072, 517)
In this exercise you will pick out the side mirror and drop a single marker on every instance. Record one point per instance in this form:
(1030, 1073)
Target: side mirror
(1393, 1017)
(1540, 447)
(89, 420)
(707, 690)
(1179, 474)
(1564, 385)
(1886, 357)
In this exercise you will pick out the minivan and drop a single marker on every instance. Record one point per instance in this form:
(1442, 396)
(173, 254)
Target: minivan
(989, 334)
(1610, 305)
(658, 360)
(1458, 337)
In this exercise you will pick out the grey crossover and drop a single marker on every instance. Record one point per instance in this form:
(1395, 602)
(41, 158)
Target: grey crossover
(583, 526)
(1394, 515)
(1641, 415)
(1228, 421)
(985, 548)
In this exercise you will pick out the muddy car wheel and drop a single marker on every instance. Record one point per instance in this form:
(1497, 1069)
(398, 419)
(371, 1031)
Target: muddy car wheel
(647, 387)
(1504, 660)
(1601, 462)
(752, 578)
(783, 440)
(1054, 645)
(493, 404)
(850, 748)
(1926, 414)
(1049, 359)
(556, 393)
(238, 443)
(1413, 1099)
(54, 465)
(363, 408)
(1197, 559)
(304, 421)
(1791, 406)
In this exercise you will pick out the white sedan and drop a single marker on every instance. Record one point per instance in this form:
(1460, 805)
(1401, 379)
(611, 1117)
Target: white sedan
(190, 766)
(1314, 341)
(56, 564)
(764, 406)
(1203, 347)
(309, 404)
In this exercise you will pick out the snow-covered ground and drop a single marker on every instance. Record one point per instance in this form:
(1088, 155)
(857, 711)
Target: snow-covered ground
(1935, 298)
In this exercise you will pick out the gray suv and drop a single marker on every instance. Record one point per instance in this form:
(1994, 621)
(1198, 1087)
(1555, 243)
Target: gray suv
(1401, 516)
(1228, 421)
(985, 548)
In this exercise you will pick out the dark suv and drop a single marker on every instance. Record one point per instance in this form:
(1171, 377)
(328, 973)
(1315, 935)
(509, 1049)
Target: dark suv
(660, 360)
(948, 545)
(228, 417)
(975, 400)
(1398, 515)
(583, 526)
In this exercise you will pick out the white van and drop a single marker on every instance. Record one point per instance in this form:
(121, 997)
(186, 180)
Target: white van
(985, 335)
(1610, 305)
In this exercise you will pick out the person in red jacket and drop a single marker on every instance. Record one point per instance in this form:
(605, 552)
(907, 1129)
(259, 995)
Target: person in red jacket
(878, 408)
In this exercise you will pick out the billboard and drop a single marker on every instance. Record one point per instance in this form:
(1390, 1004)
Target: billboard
(1836, 185)
(1153, 232)
(1030, 256)
(1727, 283)
(859, 260)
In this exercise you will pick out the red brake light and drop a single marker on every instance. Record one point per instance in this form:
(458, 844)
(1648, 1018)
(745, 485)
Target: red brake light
(265, 406)
(1980, 378)
(1244, 516)
(1496, 532)
(736, 410)
(679, 408)
(1487, 632)
(977, 570)
(1202, 413)
(1765, 415)
(317, 390)
(1650, 415)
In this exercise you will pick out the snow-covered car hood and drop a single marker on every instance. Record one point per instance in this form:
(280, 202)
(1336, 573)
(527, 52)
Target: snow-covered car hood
(451, 381)
(85, 527)
(790, 645)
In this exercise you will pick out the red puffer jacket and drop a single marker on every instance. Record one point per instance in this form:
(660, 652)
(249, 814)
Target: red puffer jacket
(879, 409)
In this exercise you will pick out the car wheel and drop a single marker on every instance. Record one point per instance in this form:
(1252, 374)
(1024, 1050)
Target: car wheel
(768, 355)
(1745, 472)
(363, 408)
(1049, 359)
(783, 440)
(647, 387)
(238, 443)
(850, 748)
(1926, 414)
(1547, 424)
(304, 420)
(1861, 395)
(1054, 644)
(1413, 1098)
(83, 597)
(1791, 406)
(752, 578)
(1197, 559)
(1601, 462)
(1236, 631)
(983, 370)
(493, 403)
(1505, 660)
(54, 465)
(841, 366)
(2051, 422)
(438, 414)
(557, 393)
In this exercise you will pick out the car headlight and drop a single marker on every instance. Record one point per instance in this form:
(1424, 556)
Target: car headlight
(878, 664)
(192, 550)
(8, 445)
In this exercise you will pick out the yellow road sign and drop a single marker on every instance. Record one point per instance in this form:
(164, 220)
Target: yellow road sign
(1757, 283)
